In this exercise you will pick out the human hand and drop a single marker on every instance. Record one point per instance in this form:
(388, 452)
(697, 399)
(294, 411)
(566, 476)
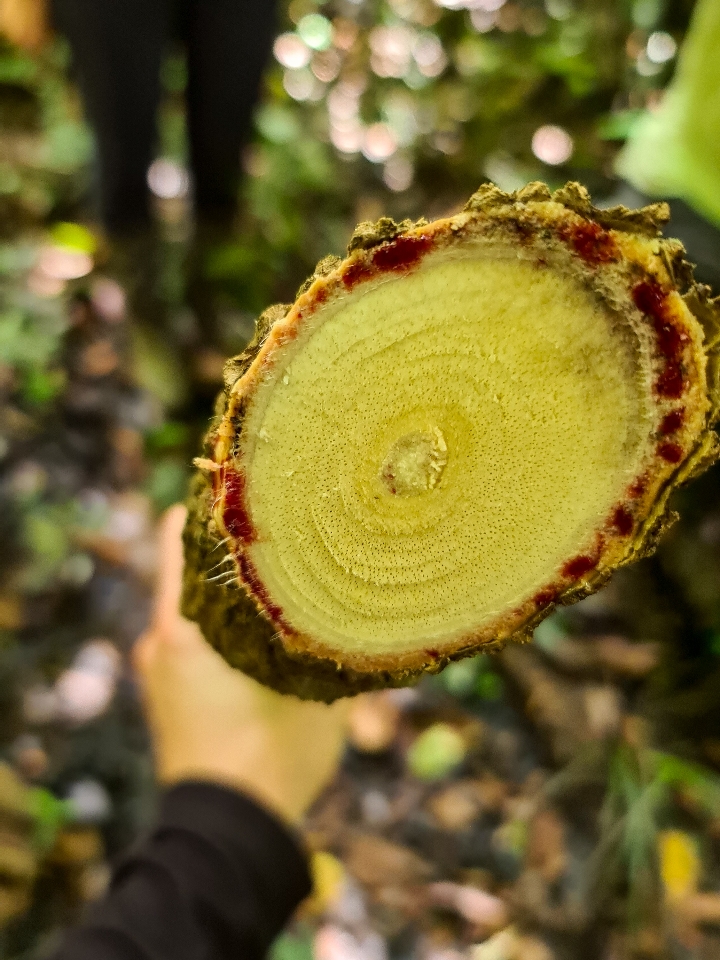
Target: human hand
(211, 722)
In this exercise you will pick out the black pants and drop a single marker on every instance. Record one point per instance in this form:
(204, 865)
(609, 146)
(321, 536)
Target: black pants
(118, 47)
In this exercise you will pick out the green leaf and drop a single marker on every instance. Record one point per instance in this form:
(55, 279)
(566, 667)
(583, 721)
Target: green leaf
(618, 125)
(168, 483)
(459, 678)
(39, 387)
(169, 436)
(647, 13)
(292, 946)
(278, 124)
(436, 752)
(50, 815)
(490, 685)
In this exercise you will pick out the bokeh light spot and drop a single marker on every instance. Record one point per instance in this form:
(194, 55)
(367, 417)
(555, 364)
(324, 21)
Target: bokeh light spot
(62, 263)
(429, 55)
(168, 179)
(291, 51)
(302, 85)
(379, 143)
(108, 298)
(326, 65)
(398, 174)
(552, 145)
(661, 47)
(316, 30)
(85, 689)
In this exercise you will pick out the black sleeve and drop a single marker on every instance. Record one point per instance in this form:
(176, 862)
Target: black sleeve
(218, 878)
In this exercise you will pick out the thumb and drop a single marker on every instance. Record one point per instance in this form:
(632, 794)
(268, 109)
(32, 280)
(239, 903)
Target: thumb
(166, 608)
(169, 584)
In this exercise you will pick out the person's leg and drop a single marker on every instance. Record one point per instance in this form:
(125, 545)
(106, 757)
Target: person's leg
(117, 47)
(228, 44)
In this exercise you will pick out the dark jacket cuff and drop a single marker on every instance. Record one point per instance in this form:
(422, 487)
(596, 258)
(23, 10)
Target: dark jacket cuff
(251, 838)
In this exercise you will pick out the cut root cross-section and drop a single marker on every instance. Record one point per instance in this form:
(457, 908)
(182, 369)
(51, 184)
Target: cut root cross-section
(459, 426)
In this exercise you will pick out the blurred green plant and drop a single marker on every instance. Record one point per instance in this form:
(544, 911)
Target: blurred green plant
(294, 945)
(46, 145)
(647, 793)
(437, 752)
(474, 677)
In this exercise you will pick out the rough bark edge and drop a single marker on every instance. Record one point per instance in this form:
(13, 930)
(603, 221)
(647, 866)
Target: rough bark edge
(262, 654)
(647, 221)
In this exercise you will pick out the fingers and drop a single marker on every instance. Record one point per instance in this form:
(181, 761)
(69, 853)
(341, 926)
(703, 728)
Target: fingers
(171, 561)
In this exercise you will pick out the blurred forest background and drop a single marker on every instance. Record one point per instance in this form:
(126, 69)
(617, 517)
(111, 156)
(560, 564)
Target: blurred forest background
(559, 801)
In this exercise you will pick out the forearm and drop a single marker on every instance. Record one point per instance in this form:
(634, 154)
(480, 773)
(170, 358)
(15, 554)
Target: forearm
(219, 877)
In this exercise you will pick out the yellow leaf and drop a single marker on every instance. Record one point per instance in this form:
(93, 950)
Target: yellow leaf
(327, 876)
(679, 863)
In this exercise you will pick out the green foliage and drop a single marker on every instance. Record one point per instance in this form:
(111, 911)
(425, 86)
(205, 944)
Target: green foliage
(38, 106)
(41, 387)
(47, 543)
(437, 752)
(460, 678)
(49, 815)
(474, 677)
(552, 631)
(170, 435)
(646, 791)
(295, 945)
(30, 333)
(168, 482)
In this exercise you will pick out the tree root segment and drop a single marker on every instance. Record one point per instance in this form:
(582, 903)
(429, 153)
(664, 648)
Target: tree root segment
(458, 427)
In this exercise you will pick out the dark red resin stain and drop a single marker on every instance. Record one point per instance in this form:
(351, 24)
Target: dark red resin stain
(672, 452)
(638, 487)
(671, 422)
(670, 382)
(590, 242)
(321, 296)
(252, 580)
(401, 253)
(388, 478)
(652, 300)
(622, 521)
(235, 514)
(545, 597)
(355, 273)
(579, 566)
(288, 334)
(435, 654)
